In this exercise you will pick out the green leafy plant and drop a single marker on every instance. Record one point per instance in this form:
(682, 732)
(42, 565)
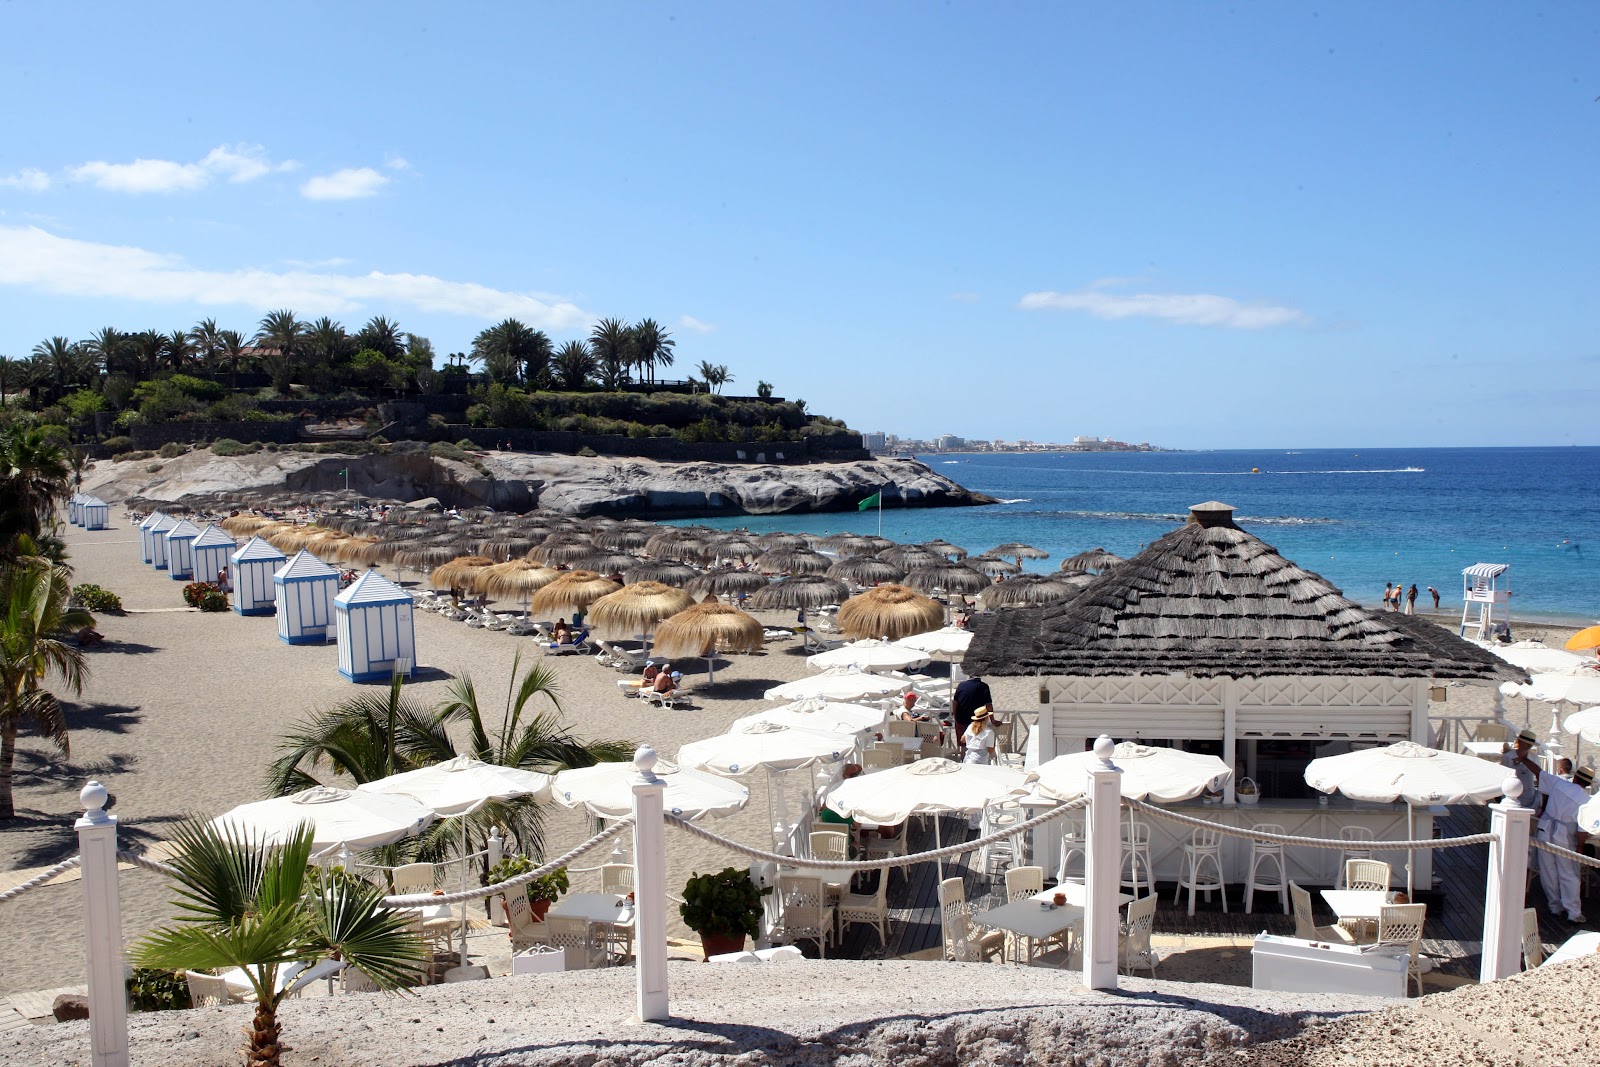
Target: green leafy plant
(171, 450)
(548, 887)
(207, 596)
(725, 904)
(154, 989)
(97, 599)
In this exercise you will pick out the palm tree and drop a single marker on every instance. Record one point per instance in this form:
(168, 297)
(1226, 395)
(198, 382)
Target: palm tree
(231, 345)
(207, 341)
(148, 347)
(61, 357)
(34, 614)
(715, 374)
(11, 374)
(574, 364)
(363, 739)
(259, 907)
(610, 341)
(652, 346)
(179, 350)
(282, 331)
(327, 342)
(107, 348)
(382, 335)
(34, 477)
(510, 347)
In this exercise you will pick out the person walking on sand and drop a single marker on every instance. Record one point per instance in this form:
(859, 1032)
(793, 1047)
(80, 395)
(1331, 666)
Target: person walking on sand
(1411, 599)
(1435, 594)
(1388, 591)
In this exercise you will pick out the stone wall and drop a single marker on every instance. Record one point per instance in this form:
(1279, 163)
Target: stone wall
(154, 436)
(669, 449)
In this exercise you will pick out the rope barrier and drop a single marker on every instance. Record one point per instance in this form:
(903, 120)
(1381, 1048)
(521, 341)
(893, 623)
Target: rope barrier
(1307, 842)
(888, 861)
(1566, 853)
(148, 864)
(418, 900)
(40, 879)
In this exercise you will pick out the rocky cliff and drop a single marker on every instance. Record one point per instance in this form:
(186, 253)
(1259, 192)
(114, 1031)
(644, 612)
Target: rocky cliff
(572, 485)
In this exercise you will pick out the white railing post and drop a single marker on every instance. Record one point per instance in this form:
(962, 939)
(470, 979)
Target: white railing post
(1102, 869)
(102, 922)
(650, 888)
(1505, 893)
(496, 852)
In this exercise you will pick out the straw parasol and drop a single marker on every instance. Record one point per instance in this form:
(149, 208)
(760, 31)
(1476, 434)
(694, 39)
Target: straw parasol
(727, 582)
(1018, 551)
(707, 628)
(1096, 560)
(793, 561)
(864, 570)
(504, 547)
(772, 542)
(573, 591)
(562, 550)
(890, 611)
(637, 608)
(516, 579)
(729, 548)
(991, 565)
(950, 578)
(606, 562)
(626, 536)
(1025, 589)
(417, 556)
(801, 591)
(940, 547)
(463, 572)
(665, 571)
(911, 557)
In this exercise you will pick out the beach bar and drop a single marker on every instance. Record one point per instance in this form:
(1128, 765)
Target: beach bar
(253, 566)
(1210, 641)
(160, 523)
(93, 513)
(376, 629)
(180, 550)
(211, 551)
(304, 589)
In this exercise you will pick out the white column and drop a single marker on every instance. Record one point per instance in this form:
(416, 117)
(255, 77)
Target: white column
(1230, 739)
(650, 888)
(1505, 892)
(1102, 867)
(496, 849)
(102, 922)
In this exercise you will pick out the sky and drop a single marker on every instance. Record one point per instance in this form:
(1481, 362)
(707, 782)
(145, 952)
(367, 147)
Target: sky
(1198, 225)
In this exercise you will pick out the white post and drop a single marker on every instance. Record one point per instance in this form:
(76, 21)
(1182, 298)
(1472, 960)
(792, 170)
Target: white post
(650, 888)
(496, 849)
(102, 921)
(1102, 869)
(1505, 892)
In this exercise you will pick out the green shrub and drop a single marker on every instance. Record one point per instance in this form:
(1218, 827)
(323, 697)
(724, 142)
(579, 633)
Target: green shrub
(125, 420)
(154, 990)
(467, 443)
(207, 596)
(57, 433)
(725, 904)
(97, 599)
(137, 454)
(271, 446)
(446, 450)
(587, 451)
(83, 403)
(154, 468)
(171, 450)
(227, 446)
(118, 444)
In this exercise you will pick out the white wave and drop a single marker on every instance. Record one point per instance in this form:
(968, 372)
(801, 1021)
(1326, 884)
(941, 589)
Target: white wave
(1015, 500)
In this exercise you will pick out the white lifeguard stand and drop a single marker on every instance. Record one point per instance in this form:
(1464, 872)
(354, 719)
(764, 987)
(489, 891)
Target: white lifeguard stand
(304, 591)
(1480, 585)
(93, 514)
(160, 523)
(253, 567)
(180, 550)
(211, 551)
(376, 628)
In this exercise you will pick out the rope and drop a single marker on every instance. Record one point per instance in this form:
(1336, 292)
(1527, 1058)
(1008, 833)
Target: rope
(148, 864)
(1566, 853)
(1308, 842)
(418, 900)
(946, 852)
(40, 879)
(442, 863)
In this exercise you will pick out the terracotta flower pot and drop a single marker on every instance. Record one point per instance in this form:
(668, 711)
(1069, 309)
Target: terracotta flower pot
(538, 908)
(717, 944)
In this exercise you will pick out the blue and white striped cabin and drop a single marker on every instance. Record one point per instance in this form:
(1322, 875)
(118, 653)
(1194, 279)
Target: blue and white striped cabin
(158, 539)
(376, 629)
(252, 569)
(93, 514)
(304, 591)
(146, 538)
(180, 550)
(75, 509)
(211, 551)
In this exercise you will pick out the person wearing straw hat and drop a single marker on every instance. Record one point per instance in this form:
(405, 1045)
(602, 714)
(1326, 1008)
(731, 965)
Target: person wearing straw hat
(1519, 761)
(1558, 825)
(1583, 778)
(977, 744)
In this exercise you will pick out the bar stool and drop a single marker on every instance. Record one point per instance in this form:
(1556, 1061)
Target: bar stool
(1356, 850)
(1262, 853)
(1136, 869)
(1074, 842)
(1204, 846)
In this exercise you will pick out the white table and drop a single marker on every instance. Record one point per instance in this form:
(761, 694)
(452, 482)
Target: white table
(1575, 947)
(1356, 904)
(598, 909)
(1031, 918)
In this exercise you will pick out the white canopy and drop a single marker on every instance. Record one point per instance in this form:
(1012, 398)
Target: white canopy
(462, 785)
(338, 816)
(949, 643)
(820, 715)
(606, 790)
(869, 655)
(840, 685)
(1580, 688)
(1534, 657)
(1585, 723)
(1159, 775)
(765, 746)
(928, 786)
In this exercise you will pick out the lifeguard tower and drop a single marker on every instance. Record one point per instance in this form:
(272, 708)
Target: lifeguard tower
(1480, 585)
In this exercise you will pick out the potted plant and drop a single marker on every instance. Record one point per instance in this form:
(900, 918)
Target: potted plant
(542, 891)
(723, 908)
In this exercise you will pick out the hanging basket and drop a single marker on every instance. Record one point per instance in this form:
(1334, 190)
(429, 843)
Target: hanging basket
(1247, 792)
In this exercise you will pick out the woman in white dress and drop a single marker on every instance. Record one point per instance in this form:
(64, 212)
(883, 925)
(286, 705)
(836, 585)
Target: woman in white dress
(977, 745)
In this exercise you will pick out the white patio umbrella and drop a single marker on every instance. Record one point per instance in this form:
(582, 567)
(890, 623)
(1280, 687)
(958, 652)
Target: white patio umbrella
(1532, 657)
(839, 685)
(772, 748)
(930, 786)
(606, 791)
(869, 655)
(1585, 724)
(948, 644)
(1159, 775)
(1410, 772)
(1576, 687)
(339, 818)
(821, 715)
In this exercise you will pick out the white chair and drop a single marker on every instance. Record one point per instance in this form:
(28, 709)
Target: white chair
(1360, 848)
(1265, 854)
(1133, 940)
(1021, 884)
(206, 990)
(900, 728)
(1074, 842)
(831, 845)
(616, 878)
(352, 980)
(572, 936)
(869, 908)
(880, 758)
(1204, 849)
(963, 943)
(1532, 941)
(806, 912)
(413, 878)
(875, 846)
(524, 930)
(1306, 928)
(1401, 924)
(1366, 875)
(1137, 872)
(996, 857)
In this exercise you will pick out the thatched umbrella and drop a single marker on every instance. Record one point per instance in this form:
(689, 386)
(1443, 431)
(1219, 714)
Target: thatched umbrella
(853, 545)
(890, 611)
(729, 548)
(574, 591)
(504, 547)
(463, 572)
(865, 570)
(1018, 551)
(801, 591)
(606, 562)
(626, 536)
(727, 582)
(516, 579)
(778, 539)
(418, 556)
(991, 565)
(707, 628)
(665, 571)
(793, 561)
(558, 549)
(911, 557)
(939, 546)
(952, 578)
(1025, 589)
(240, 525)
(677, 542)
(635, 609)
(365, 551)
(1096, 560)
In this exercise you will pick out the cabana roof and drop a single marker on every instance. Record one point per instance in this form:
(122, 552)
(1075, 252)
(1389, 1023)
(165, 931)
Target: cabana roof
(304, 567)
(257, 548)
(1210, 600)
(214, 536)
(181, 529)
(371, 590)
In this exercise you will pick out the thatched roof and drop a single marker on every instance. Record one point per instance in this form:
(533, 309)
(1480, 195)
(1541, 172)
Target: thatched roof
(891, 612)
(1209, 599)
(637, 608)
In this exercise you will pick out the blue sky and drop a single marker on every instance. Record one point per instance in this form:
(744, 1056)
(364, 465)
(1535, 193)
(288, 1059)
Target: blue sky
(1203, 226)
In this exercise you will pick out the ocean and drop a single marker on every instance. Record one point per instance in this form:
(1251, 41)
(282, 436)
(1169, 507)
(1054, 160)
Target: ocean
(1358, 517)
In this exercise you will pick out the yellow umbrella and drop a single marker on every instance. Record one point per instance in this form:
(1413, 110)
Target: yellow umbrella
(889, 611)
(706, 628)
(573, 591)
(1588, 637)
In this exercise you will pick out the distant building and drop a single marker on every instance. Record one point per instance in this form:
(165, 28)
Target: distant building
(874, 442)
(949, 442)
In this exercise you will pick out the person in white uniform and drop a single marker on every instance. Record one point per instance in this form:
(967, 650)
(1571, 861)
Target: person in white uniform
(1558, 825)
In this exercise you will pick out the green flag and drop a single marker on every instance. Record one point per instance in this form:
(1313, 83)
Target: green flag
(873, 501)
(345, 471)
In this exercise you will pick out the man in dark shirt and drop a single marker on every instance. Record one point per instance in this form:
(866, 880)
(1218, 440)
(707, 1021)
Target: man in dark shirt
(970, 695)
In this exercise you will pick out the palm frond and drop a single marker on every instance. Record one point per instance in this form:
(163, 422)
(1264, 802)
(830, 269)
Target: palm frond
(376, 940)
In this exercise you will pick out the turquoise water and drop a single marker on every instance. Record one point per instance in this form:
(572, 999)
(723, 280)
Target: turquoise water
(1359, 517)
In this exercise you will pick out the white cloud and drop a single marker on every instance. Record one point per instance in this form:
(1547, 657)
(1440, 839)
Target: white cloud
(35, 259)
(1189, 309)
(694, 325)
(27, 180)
(353, 183)
(397, 163)
(236, 163)
(964, 298)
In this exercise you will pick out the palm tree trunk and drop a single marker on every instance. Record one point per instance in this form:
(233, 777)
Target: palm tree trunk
(8, 756)
(263, 1033)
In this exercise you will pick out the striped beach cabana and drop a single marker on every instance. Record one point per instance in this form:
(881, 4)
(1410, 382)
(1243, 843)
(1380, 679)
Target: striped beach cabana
(180, 550)
(75, 509)
(377, 637)
(252, 569)
(211, 551)
(304, 589)
(93, 514)
(146, 554)
(160, 523)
